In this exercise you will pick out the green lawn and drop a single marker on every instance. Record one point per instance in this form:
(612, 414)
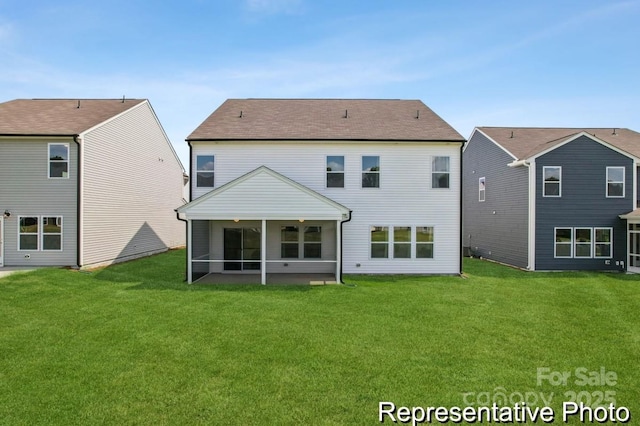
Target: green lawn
(134, 344)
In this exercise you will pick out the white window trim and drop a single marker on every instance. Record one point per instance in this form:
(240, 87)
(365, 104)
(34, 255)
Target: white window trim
(59, 222)
(482, 196)
(448, 172)
(37, 234)
(49, 160)
(344, 176)
(555, 243)
(391, 243)
(606, 183)
(301, 241)
(593, 242)
(206, 171)
(362, 172)
(544, 182)
(40, 234)
(595, 230)
(575, 243)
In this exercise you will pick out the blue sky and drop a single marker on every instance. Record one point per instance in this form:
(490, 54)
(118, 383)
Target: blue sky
(475, 63)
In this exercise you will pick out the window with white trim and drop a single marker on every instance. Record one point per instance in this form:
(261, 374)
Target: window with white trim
(28, 232)
(402, 242)
(59, 160)
(335, 171)
(602, 243)
(293, 239)
(424, 242)
(583, 242)
(205, 171)
(552, 181)
(370, 171)
(615, 182)
(481, 189)
(563, 242)
(37, 233)
(440, 172)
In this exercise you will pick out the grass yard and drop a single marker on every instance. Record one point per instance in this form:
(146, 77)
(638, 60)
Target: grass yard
(134, 344)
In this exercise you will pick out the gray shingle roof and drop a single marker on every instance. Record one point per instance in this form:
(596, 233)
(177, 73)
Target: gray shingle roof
(324, 119)
(524, 142)
(58, 116)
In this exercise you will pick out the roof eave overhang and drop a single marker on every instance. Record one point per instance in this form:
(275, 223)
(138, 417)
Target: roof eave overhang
(460, 141)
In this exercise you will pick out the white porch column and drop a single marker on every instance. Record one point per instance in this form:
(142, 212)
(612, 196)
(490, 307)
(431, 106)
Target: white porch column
(263, 253)
(338, 251)
(189, 251)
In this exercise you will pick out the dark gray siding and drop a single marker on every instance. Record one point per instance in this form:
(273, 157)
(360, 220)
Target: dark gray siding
(583, 202)
(500, 236)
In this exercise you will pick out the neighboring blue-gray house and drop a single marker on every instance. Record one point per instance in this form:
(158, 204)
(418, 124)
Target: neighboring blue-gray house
(553, 198)
(85, 182)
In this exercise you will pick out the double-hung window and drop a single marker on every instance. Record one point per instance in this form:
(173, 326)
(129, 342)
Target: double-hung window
(440, 172)
(370, 171)
(289, 236)
(552, 176)
(37, 233)
(291, 239)
(312, 245)
(615, 182)
(58, 160)
(335, 171)
(401, 242)
(204, 171)
(583, 242)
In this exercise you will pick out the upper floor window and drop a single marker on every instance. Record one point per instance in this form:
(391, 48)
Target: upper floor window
(552, 176)
(481, 189)
(615, 182)
(58, 160)
(440, 172)
(204, 170)
(335, 171)
(370, 171)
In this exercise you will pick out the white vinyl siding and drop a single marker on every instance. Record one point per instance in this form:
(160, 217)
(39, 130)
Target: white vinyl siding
(395, 202)
(129, 203)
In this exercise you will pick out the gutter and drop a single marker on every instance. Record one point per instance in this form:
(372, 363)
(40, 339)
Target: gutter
(461, 210)
(518, 163)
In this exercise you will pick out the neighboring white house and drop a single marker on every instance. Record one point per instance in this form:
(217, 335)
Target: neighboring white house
(86, 182)
(324, 186)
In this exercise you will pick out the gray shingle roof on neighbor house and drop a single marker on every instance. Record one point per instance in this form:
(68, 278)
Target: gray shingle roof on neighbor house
(524, 142)
(325, 119)
(57, 117)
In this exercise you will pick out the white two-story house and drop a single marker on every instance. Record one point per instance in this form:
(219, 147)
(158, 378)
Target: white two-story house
(323, 186)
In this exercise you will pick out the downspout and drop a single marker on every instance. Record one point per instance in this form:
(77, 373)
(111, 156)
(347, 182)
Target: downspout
(461, 211)
(186, 231)
(339, 279)
(77, 140)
